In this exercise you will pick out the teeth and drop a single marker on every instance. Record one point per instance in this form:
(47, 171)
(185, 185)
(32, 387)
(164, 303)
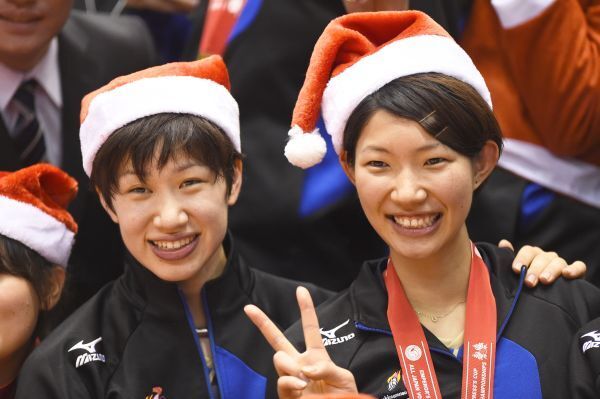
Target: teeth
(415, 222)
(173, 244)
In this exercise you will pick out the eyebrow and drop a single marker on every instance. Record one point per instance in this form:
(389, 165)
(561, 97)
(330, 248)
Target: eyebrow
(182, 167)
(179, 168)
(423, 148)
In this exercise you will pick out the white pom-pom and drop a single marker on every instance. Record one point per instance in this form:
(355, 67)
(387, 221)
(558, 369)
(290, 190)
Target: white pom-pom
(305, 149)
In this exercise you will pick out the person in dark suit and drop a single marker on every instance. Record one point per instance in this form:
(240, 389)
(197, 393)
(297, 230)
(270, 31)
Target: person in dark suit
(50, 57)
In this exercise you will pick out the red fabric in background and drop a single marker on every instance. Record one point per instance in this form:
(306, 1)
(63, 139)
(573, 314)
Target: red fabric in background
(221, 17)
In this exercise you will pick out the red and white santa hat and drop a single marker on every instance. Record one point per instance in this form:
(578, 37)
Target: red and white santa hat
(356, 55)
(33, 204)
(198, 88)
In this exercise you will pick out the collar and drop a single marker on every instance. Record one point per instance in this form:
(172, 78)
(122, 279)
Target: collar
(46, 73)
(372, 314)
(233, 287)
(151, 294)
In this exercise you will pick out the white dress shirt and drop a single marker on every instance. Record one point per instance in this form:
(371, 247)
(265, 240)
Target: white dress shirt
(48, 99)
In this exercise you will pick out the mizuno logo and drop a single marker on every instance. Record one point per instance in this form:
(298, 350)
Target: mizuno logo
(331, 333)
(330, 337)
(90, 347)
(91, 355)
(594, 343)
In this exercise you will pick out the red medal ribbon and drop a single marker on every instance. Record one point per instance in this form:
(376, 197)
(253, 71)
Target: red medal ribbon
(479, 347)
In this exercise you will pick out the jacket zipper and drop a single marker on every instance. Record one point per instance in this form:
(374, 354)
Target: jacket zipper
(213, 348)
(192, 327)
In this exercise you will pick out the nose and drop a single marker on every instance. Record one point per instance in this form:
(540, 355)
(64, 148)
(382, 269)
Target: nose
(171, 215)
(407, 189)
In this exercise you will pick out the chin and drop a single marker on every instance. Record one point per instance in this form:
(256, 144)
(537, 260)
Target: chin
(416, 250)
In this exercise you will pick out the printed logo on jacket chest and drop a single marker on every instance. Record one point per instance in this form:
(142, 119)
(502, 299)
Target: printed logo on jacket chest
(589, 341)
(331, 338)
(90, 352)
(157, 393)
(394, 388)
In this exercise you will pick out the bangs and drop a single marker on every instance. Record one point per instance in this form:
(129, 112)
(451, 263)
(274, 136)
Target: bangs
(151, 142)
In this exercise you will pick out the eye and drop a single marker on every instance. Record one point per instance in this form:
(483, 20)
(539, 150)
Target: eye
(376, 164)
(190, 182)
(435, 161)
(138, 190)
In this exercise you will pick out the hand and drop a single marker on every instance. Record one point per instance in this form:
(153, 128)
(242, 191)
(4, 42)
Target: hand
(543, 266)
(310, 372)
(164, 5)
(375, 5)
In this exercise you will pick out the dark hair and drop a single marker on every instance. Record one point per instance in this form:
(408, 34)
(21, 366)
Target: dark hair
(19, 260)
(167, 136)
(450, 110)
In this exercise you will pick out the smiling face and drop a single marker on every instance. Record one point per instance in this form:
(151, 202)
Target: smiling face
(26, 28)
(174, 221)
(415, 191)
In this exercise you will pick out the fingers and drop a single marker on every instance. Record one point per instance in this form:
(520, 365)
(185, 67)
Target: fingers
(285, 364)
(552, 270)
(524, 258)
(506, 244)
(538, 267)
(336, 377)
(310, 323)
(269, 330)
(544, 267)
(576, 269)
(290, 387)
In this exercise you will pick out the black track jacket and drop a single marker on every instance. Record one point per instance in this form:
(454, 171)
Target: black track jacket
(535, 328)
(136, 339)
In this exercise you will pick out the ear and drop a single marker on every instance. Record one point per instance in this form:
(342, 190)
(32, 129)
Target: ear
(57, 282)
(110, 212)
(236, 184)
(348, 169)
(485, 162)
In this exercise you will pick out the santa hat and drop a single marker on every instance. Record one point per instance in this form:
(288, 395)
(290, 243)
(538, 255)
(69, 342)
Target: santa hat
(198, 88)
(33, 204)
(356, 55)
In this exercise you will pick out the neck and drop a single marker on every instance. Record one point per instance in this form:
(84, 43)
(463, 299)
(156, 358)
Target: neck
(439, 281)
(192, 289)
(24, 62)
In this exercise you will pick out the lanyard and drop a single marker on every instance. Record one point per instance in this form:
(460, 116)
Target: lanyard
(479, 344)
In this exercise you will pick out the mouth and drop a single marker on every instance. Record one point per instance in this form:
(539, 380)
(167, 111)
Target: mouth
(20, 16)
(174, 249)
(417, 224)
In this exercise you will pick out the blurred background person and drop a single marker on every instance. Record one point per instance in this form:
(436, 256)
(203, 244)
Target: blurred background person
(168, 20)
(49, 58)
(541, 62)
(36, 236)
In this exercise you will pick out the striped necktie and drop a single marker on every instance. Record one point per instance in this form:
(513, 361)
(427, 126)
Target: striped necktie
(28, 136)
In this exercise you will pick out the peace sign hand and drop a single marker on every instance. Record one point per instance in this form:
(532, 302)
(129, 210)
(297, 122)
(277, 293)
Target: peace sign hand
(310, 372)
